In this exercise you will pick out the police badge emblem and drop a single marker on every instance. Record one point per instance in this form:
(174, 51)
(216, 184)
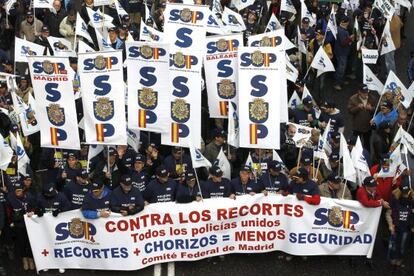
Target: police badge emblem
(47, 66)
(59, 45)
(146, 51)
(76, 228)
(257, 58)
(56, 114)
(398, 94)
(103, 109)
(147, 98)
(185, 15)
(180, 110)
(226, 89)
(100, 62)
(179, 59)
(222, 45)
(259, 110)
(266, 42)
(335, 216)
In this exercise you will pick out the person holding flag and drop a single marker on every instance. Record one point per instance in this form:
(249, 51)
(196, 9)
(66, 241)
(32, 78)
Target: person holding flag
(274, 181)
(244, 184)
(189, 191)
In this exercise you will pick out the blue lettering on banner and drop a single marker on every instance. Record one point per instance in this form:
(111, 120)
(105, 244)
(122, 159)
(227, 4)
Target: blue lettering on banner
(331, 239)
(135, 52)
(179, 244)
(224, 68)
(91, 253)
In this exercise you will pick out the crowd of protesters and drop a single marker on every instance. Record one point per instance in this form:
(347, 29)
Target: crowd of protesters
(122, 180)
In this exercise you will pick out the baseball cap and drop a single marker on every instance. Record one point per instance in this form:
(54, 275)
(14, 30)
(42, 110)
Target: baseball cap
(344, 19)
(334, 156)
(26, 177)
(364, 88)
(190, 176)
(275, 165)
(245, 169)
(369, 181)
(336, 135)
(49, 188)
(125, 17)
(387, 104)
(330, 104)
(305, 20)
(72, 155)
(97, 184)
(112, 29)
(306, 160)
(303, 173)
(161, 171)
(385, 125)
(18, 185)
(44, 29)
(3, 83)
(140, 158)
(126, 180)
(29, 13)
(405, 185)
(216, 171)
(307, 100)
(219, 132)
(333, 177)
(352, 140)
(112, 151)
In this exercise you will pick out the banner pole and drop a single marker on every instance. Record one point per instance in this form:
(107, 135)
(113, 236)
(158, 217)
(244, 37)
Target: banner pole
(343, 192)
(198, 184)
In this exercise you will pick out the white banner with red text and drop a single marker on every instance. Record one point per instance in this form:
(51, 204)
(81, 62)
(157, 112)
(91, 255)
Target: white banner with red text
(169, 232)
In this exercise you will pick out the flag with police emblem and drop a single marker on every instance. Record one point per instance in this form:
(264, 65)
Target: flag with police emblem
(24, 48)
(271, 39)
(394, 85)
(322, 62)
(215, 25)
(81, 28)
(220, 64)
(61, 47)
(103, 97)
(185, 26)
(55, 102)
(148, 70)
(233, 21)
(184, 110)
(259, 107)
(147, 33)
(273, 24)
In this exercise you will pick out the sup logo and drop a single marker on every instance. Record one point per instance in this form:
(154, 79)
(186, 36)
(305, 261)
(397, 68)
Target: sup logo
(75, 229)
(336, 217)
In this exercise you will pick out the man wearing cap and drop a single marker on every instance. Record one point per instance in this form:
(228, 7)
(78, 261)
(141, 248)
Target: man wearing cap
(216, 185)
(304, 188)
(334, 188)
(139, 174)
(368, 196)
(306, 163)
(332, 113)
(381, 141)
(51, 201)
(30, 28)
(342, 50)
(96, 203)
(114, 40)
(70, 171)
(21, 204)
(109, 167)
(244, 185)
(189, 190)
(75, 191)
(162, 188)
(334, 164)
(212, 150)
(126, 199)
(387, 113)
(178, 163)
(288, 150)
(399, 219)
(5, 96)
(274, 181)
(24, 88)
(43, 41)
(305, 114)
(361, 106)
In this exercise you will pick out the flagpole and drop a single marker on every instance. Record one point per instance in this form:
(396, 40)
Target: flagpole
(376, 108)
(198, 184)
(109, 167)
(411, 120)
(408, 167)
(343, 192)
(299, 157)
(2, 178)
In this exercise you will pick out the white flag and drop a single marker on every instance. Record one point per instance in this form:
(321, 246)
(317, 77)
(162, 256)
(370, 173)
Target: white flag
(292, 73)
(294, 100)
(387, 44)
(332, 23)
(215, 25)
(305, 13)
(233, 21)
(233, 127)
(197, 158)
(99, 20)
(93, 151)
(8, 5)
(322, 62)
(241, 4)
(104, 44)
(372, 81)
(24, 48)
(43, 4)
(273, 24)
(6, 154)
(394, 85)
(349, 172)
(405, 3)
(81, 28)
(22, 158)
(133, 136)
(287, 5)
(147, 33)
(369, 56)
(358, 34)
(223, 164)
(28, 120)
(359, 161)
(301, 44)
(120, 10)
(84, 48)
(386, 8)
(396, 165)
(323, 144)
(276, 157)
(61, 47)
(406, 139)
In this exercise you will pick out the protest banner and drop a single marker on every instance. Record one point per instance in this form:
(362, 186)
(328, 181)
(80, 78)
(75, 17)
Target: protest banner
(168, 232)
(55, 102)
